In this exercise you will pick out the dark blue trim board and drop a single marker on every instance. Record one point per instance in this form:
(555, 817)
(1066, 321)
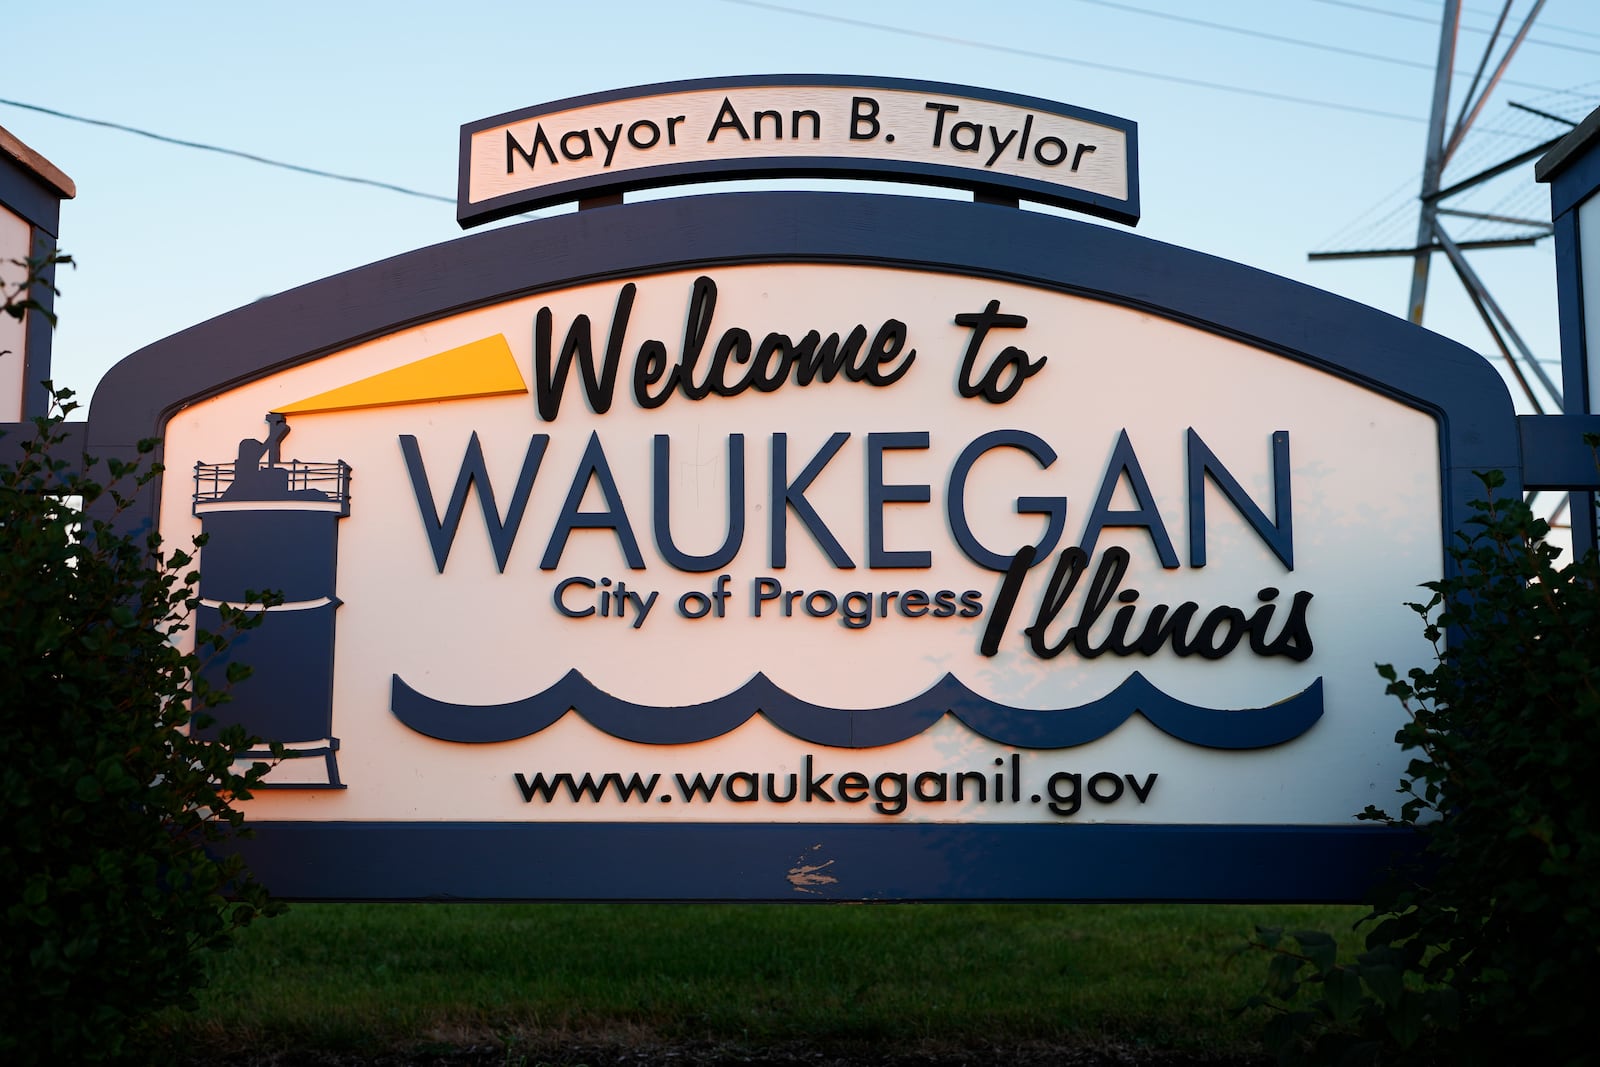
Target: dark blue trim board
(1573, 332)
(540, 860)
(35, 398)
(812, 864)
(22, 192)
(14, 436)
(1575, 383)
(1576, 181)
(1556, 457)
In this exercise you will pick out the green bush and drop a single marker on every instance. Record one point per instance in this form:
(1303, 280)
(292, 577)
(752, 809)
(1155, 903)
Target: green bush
(1488, 954)
(109, 890)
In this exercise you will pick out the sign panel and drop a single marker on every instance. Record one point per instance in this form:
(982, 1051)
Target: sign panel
(852, 547)
(798, 125)
(31, 191)
(16, 244)
(1588, 251)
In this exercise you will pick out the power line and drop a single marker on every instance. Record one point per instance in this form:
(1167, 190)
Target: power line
(1434, 22)
(220, 150)
(1392, 204)
(1547, 25)
(1245, 31)
(882, 27)
(1051, 57)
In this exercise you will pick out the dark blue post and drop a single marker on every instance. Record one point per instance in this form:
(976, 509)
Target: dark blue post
(1572, 168)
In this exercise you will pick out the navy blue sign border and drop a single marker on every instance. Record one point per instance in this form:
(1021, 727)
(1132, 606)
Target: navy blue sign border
(534, 860)
(810, 863)
(470, 214)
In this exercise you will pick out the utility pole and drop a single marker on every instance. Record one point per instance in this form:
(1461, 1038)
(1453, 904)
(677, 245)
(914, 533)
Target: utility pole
(1444, 138)
(1433, 157)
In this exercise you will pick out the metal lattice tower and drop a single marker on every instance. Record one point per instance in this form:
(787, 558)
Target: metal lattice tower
(1444, 139)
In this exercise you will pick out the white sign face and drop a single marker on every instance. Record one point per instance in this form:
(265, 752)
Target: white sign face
(1589, 253)
(740, 130)
(820, 475)
(16, 239)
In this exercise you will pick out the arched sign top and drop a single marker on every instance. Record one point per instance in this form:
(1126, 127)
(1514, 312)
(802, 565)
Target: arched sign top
(1350, 340)
(802, 125)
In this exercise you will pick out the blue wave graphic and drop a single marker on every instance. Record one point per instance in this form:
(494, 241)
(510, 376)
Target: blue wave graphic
(1243, 728)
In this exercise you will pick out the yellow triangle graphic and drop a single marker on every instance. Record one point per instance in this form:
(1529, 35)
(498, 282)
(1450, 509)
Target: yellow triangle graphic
(482, 368)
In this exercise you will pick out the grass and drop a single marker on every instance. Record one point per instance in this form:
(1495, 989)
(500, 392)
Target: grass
(384, 977)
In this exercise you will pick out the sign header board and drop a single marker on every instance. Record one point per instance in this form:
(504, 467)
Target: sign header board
(817, 546)
(799, 126)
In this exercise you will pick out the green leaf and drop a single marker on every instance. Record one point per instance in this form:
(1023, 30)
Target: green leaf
(1341, 988)
(1405, 1020)
(1319, 946)
(1385, 981)
(1279, 1032)
(1282, 976)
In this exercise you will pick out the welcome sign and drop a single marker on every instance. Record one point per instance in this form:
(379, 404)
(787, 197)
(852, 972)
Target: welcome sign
(817, 546)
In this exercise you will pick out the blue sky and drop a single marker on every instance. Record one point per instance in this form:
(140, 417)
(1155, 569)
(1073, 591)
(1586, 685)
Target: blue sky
(1267, 128)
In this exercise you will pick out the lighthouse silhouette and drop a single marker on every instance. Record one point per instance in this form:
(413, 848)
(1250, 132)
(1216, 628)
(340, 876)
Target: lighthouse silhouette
(272, 527)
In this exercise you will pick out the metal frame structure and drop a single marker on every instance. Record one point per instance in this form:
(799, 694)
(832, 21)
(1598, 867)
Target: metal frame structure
(1444, 139)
